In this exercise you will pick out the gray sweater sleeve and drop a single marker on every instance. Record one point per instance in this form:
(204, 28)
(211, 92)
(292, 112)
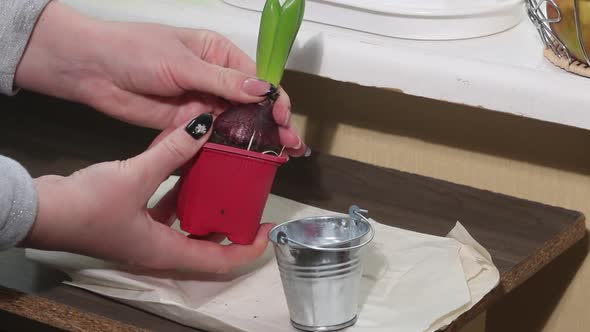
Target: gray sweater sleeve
(18, 197)
(17, 20)
(18, 203)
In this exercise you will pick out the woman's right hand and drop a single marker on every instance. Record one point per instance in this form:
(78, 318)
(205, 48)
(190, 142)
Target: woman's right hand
(146, 74)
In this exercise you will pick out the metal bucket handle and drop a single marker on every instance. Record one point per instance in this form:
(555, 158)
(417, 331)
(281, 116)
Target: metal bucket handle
(354, 212)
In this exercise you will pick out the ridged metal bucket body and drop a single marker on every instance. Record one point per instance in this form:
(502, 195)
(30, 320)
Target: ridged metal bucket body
(321, 274)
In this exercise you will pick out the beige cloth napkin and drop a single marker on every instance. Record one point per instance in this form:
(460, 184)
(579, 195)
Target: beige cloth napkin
(412, 282)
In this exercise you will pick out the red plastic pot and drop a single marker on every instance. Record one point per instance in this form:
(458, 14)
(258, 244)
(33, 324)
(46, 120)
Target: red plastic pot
(225, 191)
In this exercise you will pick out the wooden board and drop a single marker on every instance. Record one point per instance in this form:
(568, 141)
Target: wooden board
(522, 236)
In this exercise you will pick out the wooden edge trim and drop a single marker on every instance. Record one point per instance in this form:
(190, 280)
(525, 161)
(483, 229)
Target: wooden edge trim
(67, 318)
(523, 271)
(544, 255)
(477, 309)
(56, 314)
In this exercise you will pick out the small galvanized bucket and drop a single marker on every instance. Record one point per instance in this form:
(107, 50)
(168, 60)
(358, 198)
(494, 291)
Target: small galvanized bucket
(320, 261)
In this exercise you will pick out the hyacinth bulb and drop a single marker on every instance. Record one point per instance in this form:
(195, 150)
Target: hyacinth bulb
(248, 126)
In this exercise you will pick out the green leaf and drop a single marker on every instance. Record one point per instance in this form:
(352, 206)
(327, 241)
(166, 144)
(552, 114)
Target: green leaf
(291, 17)
(266, 35)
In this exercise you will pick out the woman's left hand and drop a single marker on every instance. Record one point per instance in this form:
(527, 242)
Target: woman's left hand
(101, 211)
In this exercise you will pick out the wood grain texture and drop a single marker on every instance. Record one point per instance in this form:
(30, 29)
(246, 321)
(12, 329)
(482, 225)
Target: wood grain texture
(57, 315)
(522, 236)
(515, 231)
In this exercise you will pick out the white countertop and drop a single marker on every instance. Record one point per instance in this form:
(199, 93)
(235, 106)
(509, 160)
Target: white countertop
(506, 72)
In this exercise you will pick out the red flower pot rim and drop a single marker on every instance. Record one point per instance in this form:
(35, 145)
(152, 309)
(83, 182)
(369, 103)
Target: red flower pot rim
(245, 153)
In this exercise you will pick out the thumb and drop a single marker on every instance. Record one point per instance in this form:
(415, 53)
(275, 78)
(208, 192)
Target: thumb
(161, 136)
(172, 151)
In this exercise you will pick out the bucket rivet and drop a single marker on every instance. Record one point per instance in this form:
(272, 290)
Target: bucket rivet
(282, 238)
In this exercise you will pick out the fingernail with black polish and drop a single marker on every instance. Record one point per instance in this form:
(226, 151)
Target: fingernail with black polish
(200, 125)
(272, 92)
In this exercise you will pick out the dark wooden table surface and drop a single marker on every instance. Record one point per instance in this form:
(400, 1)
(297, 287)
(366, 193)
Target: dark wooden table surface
(522, 236)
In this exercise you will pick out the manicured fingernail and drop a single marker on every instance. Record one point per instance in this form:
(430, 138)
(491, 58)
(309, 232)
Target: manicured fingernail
(200, 125)
(307, 152)
(299, 144)
(258, 88)
(287, 119)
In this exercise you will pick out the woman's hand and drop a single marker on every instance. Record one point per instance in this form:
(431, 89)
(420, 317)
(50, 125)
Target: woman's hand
(101, 211)
(145, 74)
